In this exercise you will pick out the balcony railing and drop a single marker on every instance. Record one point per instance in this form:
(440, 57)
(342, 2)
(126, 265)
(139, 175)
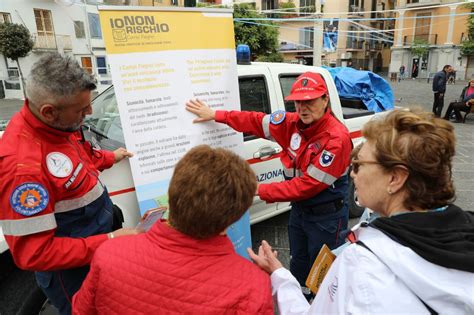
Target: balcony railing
(431, 39)
(52, 42)
(354, 44)
(13, 74)
(373, 46)
(421, 3)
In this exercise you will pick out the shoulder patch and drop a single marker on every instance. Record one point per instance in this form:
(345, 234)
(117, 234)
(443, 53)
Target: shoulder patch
(277, 117)
(29, 198)
(326, 158)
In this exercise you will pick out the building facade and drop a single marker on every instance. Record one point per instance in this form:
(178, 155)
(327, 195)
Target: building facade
(355, 33)
(66, 27)
(441, 26)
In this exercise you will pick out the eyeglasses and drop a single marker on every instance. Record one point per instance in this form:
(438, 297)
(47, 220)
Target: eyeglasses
(356, 163)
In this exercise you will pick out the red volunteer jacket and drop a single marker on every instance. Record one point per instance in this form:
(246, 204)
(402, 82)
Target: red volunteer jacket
(164, 271)
(315, 156)
(44, 171)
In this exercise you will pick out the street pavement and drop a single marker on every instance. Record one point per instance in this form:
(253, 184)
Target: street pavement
(408, 93)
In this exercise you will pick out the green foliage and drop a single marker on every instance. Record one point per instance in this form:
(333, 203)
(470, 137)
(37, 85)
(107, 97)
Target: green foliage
(262, 39)
(420, 47)
(15, 41)
(286, 7)
(273, 57)
(467, 46)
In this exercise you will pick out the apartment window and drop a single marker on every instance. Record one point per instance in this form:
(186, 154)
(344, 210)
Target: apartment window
(306, 37)
(422, 29)
(5, 17)
(94, 25)
(269, 5)
(86, 63)
(307, 5)
(101, 65)
(79, 29)
(44, 23)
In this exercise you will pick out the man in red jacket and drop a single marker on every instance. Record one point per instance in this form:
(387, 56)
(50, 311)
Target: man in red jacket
(54, 210)
(186, 265)
(315, 158)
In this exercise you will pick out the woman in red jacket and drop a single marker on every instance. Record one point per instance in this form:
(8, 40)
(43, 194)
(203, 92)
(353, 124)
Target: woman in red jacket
(188, 264)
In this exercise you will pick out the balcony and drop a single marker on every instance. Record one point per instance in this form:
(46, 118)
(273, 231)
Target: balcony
(13, 74)
(52, 42)
(431, 39)
(420, 3)
(374, 46)
(354, 45)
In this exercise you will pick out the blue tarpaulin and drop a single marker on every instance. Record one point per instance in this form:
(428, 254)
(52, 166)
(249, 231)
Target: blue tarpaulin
(367, 86)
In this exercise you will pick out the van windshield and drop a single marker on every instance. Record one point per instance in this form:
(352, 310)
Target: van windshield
(105, 117)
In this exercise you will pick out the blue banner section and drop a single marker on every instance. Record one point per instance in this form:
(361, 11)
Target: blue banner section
(239, 234)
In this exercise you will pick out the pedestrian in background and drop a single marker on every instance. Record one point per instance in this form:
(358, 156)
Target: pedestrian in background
(463, 104)
(315, 158)
(414, 69)
(54, 210)
(186, 265)
(418, 256)
(401, 72)
(439, 88)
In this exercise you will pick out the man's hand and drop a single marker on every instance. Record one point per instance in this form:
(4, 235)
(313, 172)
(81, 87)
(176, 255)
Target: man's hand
(124, 232)
(201, 110)
(266, 259)
(121, 153)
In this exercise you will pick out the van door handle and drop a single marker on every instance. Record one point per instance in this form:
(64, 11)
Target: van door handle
(265, 152)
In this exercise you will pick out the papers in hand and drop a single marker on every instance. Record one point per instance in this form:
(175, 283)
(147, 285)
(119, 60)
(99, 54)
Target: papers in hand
(150, 217)
(320, 268)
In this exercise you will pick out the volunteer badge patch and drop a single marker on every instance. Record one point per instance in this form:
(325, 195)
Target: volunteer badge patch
(59, 165)
(278, 117)
(326, 158)
(295, 141)
(29, 199)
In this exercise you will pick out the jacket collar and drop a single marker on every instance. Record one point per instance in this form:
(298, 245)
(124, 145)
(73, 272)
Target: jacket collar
(41, 128)
(165, 236)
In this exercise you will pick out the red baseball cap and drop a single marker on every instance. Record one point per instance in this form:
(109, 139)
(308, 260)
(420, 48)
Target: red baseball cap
(307, 86)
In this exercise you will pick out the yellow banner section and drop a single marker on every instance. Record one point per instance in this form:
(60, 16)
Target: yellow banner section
(145, 31)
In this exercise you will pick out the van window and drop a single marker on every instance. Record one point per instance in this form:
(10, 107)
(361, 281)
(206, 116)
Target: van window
(254, 96)
(286, 81)
(105, 117)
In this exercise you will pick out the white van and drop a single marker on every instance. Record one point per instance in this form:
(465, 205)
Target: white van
(262, 88)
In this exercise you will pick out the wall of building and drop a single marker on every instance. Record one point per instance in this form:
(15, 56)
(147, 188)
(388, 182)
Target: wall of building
(446, 50)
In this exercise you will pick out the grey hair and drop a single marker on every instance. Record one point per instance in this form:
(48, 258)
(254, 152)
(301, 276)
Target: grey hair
(54, 79)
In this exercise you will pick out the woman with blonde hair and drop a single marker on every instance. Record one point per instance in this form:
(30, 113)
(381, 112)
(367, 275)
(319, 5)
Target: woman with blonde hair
(418, 256)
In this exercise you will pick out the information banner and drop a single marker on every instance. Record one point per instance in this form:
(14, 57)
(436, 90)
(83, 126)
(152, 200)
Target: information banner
(159, 59)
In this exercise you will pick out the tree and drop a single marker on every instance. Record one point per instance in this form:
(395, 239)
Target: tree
(420, 48)
(15, 42)
(262, 39)
(286, 9)
(467, 46)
